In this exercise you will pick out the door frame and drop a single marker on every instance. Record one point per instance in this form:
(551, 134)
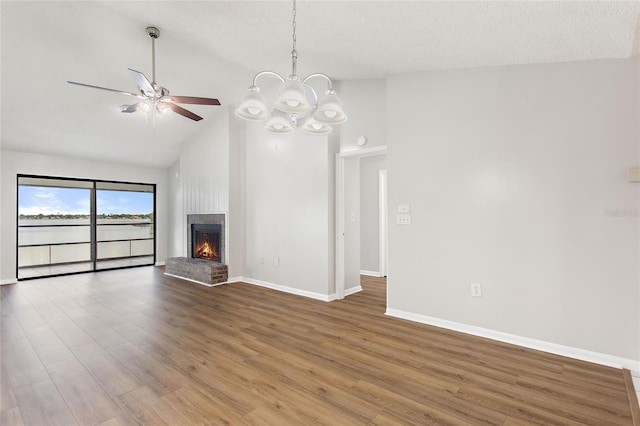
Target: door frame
(340, 210)
(383, 223)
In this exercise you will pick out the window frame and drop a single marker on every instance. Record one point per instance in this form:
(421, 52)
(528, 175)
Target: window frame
(93, 185)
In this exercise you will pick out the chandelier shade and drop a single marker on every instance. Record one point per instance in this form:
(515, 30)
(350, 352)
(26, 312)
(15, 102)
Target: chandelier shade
(329, 110)
(297, 105)
(293, 98)
(314, 127)
(279, 123)
(253, 107)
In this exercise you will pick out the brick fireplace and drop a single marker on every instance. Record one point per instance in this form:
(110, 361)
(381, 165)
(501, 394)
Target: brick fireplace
(206, 251)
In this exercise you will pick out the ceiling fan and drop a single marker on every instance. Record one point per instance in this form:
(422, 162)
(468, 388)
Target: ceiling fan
(153, 96)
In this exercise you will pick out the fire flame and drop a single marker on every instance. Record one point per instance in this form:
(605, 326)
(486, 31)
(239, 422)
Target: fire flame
(206, 251)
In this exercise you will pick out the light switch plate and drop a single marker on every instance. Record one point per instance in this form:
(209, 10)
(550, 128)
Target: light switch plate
(403, 209)
(404, 219)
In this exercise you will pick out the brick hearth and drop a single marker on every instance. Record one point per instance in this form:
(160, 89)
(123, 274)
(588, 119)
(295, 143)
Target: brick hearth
(202, 271)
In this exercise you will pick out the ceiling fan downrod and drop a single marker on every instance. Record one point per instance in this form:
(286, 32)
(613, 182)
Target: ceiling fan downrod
(154, 33)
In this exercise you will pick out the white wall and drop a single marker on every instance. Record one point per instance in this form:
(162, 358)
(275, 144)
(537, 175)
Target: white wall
(364, 102)
(211, 166)
(369, 212)
(517, 179)
(237, 196)
(176, 212)
(14, 163)
(287, 216)
(351, 223)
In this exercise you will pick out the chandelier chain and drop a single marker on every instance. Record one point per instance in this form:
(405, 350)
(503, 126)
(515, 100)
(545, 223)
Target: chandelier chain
(294, 25)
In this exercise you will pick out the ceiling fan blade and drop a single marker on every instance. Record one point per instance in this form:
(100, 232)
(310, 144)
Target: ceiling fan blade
(131, 108)
(137, 95)
(184, 112)
(192, 100)
(141, 80)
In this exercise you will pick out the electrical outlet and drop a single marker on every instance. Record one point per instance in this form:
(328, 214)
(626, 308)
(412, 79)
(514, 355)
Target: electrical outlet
(476, 290)
(276, 261)
(404, 219)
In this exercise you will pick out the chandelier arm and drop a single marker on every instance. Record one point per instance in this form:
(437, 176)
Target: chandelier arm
(313, 92)
(319, 74)
(261, 73)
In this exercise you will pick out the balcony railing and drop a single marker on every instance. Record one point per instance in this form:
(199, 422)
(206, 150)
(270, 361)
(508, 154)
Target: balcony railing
(55, 244)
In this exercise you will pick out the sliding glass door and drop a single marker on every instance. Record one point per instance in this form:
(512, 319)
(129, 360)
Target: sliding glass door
(75, 225)
(124, 225)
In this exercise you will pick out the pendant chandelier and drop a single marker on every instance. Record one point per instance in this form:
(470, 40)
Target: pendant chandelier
(298, 105)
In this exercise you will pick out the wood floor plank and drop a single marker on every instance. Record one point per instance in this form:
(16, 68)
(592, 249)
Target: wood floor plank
(144, 406)
(88, 401)
(21, 362)
(48, 346)
(159, 377)
(7, 398)
(108, 371)
(198, 408)
(40, 403)
(137, 347)
(10, 329)
(11, 417)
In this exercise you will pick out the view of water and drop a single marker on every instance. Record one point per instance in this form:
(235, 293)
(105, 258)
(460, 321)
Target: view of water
(108, 230)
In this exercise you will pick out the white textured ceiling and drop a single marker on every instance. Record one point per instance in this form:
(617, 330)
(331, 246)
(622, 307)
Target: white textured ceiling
(213, 48)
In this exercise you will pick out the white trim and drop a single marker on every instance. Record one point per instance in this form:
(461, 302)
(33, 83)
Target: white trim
(370, 273)
(383, 232)
(290, 290)
(554, 348)
(234, 280)
(366, 152)
(160, 263)
(352, 290)
(8, 281)
(195, 281)
(339, 220)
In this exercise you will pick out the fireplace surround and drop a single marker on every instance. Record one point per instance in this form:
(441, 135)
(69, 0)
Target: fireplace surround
(206, 251)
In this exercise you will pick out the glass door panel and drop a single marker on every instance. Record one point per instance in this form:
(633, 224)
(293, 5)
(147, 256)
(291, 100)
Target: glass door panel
(125, 225)
(54, 228)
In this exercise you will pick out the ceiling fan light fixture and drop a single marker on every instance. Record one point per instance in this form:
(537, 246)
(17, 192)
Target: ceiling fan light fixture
(296, 98)
(163, 108)
(153, 96)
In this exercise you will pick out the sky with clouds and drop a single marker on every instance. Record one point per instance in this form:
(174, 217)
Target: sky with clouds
(33, 200)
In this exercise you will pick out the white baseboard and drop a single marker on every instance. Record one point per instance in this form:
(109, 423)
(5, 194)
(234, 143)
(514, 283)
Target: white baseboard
(194, 281)
(8, 281)
(370, 273)
(347, 292)
(352, 290)
(554, 348)
(160, 263)
(286, 289)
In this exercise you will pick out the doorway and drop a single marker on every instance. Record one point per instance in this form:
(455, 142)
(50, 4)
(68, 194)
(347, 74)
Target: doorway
(348, 221)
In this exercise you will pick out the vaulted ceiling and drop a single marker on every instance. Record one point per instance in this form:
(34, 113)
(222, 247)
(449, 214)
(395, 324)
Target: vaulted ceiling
(213, 49)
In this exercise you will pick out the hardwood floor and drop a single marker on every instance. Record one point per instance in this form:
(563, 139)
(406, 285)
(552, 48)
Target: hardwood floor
(136, 347)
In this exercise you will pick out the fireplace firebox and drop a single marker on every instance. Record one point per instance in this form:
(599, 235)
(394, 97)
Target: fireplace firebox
(205, 241)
